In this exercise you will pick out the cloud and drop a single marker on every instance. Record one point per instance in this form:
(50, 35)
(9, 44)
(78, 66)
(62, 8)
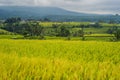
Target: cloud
(88, 6)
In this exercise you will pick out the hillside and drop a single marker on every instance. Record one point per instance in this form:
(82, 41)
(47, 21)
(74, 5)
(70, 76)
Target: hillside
(53, 13)
(28, 12)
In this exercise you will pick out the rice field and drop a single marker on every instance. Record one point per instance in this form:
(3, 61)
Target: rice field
(59, 60)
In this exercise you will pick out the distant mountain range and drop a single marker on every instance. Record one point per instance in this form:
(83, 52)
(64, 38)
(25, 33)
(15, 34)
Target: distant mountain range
(53, 13)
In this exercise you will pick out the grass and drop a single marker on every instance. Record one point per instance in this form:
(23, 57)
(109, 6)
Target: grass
(5, 32)
(59, 60)
(90, 37)
(97, 30)
(11, 36)
(49, 24)
(100, 35)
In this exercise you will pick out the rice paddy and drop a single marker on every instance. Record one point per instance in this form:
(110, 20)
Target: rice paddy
(59, 60)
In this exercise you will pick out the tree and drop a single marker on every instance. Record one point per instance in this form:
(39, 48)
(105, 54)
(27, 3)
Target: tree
(11, 24)
(13, 20)
(82, 32)
(117, 34)
(46, 19)
(110, 31)
(97, 25)
(78, 33)
(63, 31)
(32, 29)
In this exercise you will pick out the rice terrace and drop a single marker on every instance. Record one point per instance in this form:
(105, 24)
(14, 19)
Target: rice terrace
(59, 40)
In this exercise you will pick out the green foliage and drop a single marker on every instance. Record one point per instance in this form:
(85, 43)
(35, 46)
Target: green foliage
(9, 36)
(117, 34)
(46, 19)
(4, 32)
(13, 20)
(26, 29)
(63, 31)
(96, 25)
(78, 33)
(39, 29)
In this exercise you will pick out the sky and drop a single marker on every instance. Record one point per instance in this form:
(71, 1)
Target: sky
(86, 6)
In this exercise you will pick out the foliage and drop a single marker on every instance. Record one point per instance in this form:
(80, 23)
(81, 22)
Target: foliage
(63, 31)
(13, 20)
(117, 34)
(26, 29)
(4, 32)
(38, 29)
(78, 33)
(13, 36)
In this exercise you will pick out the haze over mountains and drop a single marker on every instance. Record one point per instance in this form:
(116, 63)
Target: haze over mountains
(36, 11)
(53, 13)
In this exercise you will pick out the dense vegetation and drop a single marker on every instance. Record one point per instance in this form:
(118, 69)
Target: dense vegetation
(54, 14)
(59, 60)
(31, 29)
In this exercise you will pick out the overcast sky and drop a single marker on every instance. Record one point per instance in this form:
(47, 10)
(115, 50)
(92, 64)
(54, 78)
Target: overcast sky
(87, 6)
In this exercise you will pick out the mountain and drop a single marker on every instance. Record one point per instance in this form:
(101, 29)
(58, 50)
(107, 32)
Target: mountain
(53, 13)
(34, 12)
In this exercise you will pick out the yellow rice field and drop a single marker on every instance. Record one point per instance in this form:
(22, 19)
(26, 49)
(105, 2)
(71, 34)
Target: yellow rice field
(59, 60)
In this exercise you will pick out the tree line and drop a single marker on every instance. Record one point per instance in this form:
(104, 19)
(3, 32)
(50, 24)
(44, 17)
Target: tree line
(33, 29)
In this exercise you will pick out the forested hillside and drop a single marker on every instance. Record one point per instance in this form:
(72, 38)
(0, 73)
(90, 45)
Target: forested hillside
(53, 13)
